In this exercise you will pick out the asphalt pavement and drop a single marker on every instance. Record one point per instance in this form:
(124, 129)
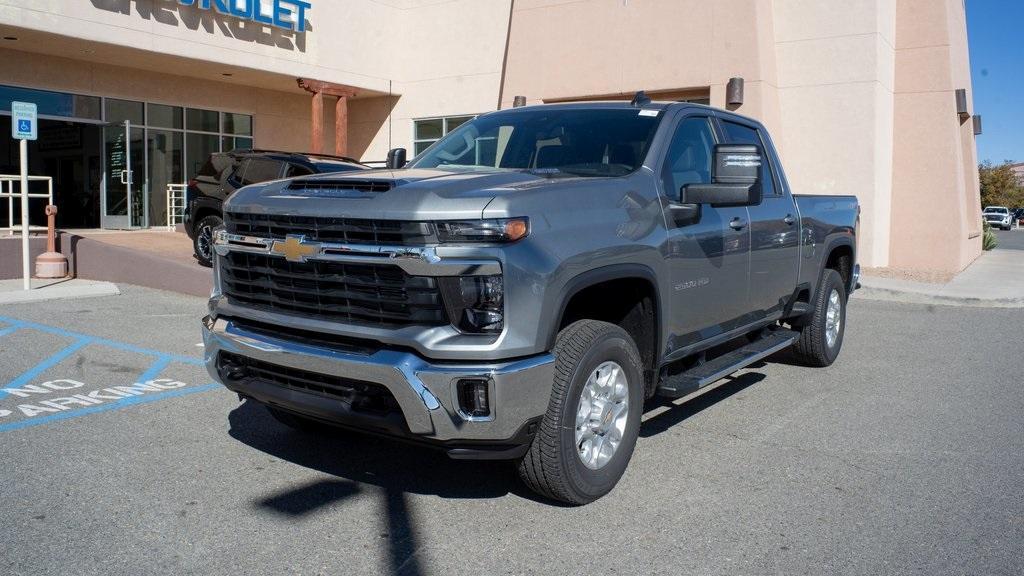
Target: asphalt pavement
(1010, 239)
(121, 457)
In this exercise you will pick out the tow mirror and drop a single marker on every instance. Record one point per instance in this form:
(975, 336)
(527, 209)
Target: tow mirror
(735, 178)
(396, 158)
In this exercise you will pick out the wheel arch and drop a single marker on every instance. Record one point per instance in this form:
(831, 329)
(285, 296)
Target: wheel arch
(576, 304)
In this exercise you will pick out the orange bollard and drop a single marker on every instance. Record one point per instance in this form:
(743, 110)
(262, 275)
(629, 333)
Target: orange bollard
(51, 264)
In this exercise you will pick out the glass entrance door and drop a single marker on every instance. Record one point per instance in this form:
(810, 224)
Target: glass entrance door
(123, 205)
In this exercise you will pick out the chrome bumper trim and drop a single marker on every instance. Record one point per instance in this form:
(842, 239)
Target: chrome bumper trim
(423, 390)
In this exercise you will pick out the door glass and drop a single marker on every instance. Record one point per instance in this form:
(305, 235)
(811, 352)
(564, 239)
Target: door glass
(166, 156)
(125, 162)
(688, 160)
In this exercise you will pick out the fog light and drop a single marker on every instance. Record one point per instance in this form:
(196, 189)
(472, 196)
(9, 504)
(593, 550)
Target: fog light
(473, 398)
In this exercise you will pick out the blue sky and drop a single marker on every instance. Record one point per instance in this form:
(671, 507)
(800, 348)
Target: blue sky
(995, 30)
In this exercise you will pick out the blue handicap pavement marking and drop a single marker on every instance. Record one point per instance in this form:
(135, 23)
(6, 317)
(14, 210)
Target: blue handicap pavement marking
(148, 388)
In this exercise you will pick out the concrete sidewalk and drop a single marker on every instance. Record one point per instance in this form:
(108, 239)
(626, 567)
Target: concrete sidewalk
(994, 280)
(12, 292)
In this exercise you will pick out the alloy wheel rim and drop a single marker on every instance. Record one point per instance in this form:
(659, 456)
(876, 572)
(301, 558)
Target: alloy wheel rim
(833, 318)
(601, 415)
(205, 239)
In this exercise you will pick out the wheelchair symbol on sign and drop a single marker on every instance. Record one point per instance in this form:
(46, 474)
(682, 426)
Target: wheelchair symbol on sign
(24, 125)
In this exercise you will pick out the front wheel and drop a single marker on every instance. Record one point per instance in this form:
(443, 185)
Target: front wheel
(822, 336)
(203, 241)
(587, 436)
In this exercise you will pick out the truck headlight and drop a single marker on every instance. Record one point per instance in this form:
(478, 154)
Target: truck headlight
(491, 230)
(475, 303)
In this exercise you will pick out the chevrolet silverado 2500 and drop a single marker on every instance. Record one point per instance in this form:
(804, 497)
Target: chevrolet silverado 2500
(521, 288)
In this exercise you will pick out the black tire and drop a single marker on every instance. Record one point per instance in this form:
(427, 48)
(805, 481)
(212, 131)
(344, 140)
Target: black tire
(298, 423)
(202, 244)
(812, 347)
(552, 467)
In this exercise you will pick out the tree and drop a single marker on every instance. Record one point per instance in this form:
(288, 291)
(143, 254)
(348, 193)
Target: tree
(999, 185)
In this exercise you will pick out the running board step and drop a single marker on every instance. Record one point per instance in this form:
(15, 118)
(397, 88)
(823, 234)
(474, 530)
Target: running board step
(696, 378)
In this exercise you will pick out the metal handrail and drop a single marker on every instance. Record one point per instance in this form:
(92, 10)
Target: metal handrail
(7, 182)
(175, 204)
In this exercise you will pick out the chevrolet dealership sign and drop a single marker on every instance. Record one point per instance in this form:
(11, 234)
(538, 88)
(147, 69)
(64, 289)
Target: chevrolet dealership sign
(287, 14)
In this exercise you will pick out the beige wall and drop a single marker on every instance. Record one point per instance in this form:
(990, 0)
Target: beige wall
(936, 206)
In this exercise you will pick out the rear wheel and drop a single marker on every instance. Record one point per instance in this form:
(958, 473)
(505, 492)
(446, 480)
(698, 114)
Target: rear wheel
(203, 241)
(821, 337)
(587, 436)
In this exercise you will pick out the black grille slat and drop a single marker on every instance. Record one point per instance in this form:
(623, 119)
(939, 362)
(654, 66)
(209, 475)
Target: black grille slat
(341, 230)
(375, 294)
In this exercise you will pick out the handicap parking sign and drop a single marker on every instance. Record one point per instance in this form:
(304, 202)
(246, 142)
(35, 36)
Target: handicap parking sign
(23, 125)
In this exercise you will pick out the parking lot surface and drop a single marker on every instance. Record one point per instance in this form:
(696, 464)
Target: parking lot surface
(121, 457)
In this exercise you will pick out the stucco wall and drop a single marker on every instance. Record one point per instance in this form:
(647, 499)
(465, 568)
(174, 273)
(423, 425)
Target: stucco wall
(936, 206)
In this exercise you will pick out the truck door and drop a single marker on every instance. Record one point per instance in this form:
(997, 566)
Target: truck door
(707, 260)
(774, 229)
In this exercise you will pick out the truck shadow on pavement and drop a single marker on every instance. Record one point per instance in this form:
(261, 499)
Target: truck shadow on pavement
(360, 463)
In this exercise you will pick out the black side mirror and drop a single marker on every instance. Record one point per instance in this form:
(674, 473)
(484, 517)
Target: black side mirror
(396, 158)
(735, 178)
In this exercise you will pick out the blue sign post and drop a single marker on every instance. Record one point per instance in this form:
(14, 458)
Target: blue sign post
(24, 127)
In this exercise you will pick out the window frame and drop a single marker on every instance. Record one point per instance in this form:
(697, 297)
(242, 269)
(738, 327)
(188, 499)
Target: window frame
(445, 129)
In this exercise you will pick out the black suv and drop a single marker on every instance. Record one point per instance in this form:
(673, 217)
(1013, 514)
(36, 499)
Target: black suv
(225, 172)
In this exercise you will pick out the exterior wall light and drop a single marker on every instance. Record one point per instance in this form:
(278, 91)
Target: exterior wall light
(519, 101)
(734, 92)
(961, 104)
(977, 124)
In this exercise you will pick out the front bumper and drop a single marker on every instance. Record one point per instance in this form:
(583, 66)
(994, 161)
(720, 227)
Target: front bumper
(425, 392)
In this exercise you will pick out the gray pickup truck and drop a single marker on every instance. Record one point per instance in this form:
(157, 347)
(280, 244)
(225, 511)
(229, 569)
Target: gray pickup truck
(524, 286)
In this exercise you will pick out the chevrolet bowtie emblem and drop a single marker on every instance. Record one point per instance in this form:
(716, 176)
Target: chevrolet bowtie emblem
(295, 248)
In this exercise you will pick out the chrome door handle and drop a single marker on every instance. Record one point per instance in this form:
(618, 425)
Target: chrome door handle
(737, 223)
(789, 219)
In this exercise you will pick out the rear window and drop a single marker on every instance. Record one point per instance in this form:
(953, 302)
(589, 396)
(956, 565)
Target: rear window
(260, 170)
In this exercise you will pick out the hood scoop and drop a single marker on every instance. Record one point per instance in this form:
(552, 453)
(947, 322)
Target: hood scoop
(339, 187)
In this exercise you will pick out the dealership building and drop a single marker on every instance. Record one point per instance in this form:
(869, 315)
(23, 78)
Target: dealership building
(864, 97)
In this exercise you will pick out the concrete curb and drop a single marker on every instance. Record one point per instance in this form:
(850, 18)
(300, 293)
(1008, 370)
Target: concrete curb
(64, 290)
(912, 297)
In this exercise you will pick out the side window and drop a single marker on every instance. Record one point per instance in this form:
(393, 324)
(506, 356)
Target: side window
(297, 170)
(688, 160)
(261, 170)
(740, 134)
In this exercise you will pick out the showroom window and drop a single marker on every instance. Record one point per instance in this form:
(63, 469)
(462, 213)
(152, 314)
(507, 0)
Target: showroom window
(426, 131)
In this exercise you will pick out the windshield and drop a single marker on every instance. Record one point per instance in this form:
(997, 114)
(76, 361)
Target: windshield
(997, 209)
(580, 142)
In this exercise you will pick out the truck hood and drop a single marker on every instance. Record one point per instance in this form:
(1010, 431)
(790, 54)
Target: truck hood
(410, 194)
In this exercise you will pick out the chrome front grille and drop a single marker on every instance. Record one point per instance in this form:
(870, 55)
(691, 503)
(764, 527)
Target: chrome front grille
(373, 294)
